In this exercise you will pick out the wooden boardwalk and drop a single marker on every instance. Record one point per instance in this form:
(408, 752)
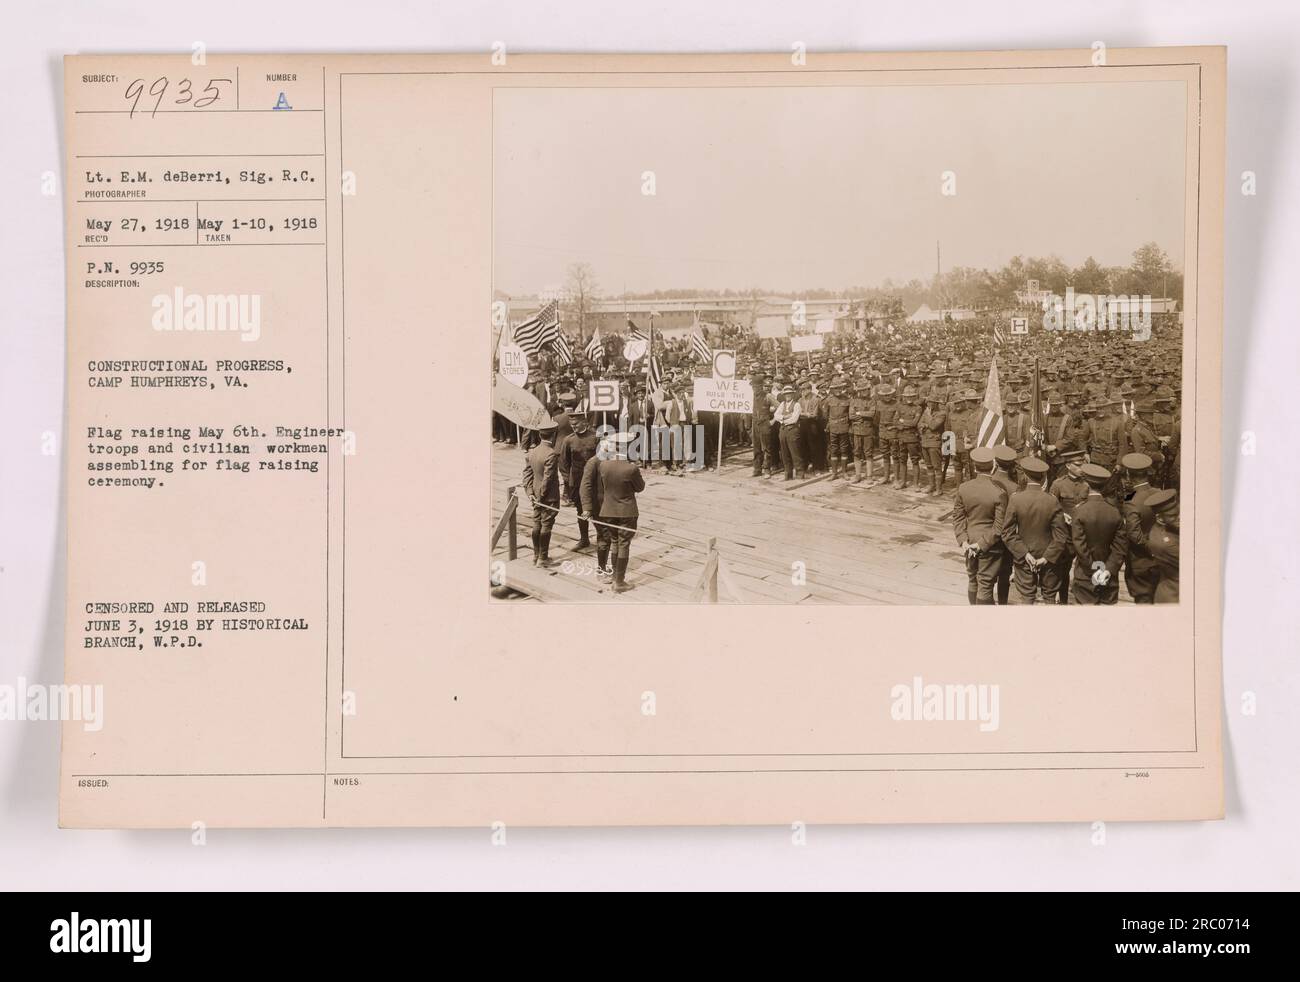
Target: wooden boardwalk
(857, 545)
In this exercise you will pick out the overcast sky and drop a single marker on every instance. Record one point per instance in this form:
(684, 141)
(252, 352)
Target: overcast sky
(799, 188)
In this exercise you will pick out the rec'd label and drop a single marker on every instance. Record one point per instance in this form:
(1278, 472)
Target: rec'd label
(723, 395)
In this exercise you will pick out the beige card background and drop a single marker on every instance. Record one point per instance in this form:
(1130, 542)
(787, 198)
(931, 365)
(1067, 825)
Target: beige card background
(469, 712)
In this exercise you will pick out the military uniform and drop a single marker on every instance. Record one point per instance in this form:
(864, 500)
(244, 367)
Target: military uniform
(591, 494)
(835, 412)
(906, 426)
(761, 432)
(1034, 525)
(622, 480)
(541, 481)
(575, 451)
(934, 422)
(977, 514)
(1163, 544)
(887, 421)
(862, 431)
(1099, 537)
(1070, 492)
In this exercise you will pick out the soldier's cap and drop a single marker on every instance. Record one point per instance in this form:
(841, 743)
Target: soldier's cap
(1023, 397)
(1135, 461)
(1159, 399)
(1111, 401)
(1004, 454)
(970, 395)
(982, 455)
(909, 391)
(1095, 474)
(568, 399)
(840, 383)
(1033, 466)
(885, 390)
(1162, 501)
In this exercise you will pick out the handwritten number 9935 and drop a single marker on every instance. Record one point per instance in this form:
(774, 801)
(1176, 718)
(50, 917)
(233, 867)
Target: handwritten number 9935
(184, 92)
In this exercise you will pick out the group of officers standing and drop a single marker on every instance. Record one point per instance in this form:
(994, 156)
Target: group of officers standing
(1027, 541)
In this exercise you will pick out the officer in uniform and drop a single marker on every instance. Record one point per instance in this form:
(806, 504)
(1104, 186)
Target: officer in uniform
(1163, 543)
(1036, 537)
(887, 421)
(862, 429)
(1140, 571)
(1106, 437)
(1100, 542)
(761, 426)
(622, 481)
(978, 509)
(1004, 476)
(907, 426)
(1015, 425)
(835, 417)
(934, 421)
(1071, 490)
(968, 432)
(575, 450)
(1143, 439)
(541, 480)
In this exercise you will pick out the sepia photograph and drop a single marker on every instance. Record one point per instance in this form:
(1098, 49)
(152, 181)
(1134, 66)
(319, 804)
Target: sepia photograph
(905, 344)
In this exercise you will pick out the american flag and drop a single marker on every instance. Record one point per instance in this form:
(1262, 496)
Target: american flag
(997, 336)
(656, 374)
(595, 349)
(541, 329)
(561, 347)
(635, 333)
(700, 346)
(990, 434)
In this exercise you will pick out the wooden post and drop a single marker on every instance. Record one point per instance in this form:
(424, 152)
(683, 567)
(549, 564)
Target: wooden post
(512, 531)
(722, 421)
(711, 588)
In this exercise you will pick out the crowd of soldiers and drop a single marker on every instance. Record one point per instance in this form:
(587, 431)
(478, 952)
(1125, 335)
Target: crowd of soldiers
(904, 408)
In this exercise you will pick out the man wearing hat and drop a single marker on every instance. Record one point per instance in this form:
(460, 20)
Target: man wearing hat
(1106, 438)
(908, 423)
(541, 480)
(622, 481)
(1100, 542)
(1140, 571)
(1015, 424)
(1071, 490)
(761, 426)
(1036, 536)
(934, 421)
(1004, 476)
(1163, 544)
(965, 423)
(978, 509)
(591, 495)
(835, 417)
(812, 441)
(887, 424)
(1142, 436)
(787, 418)
(862, 427)
(575, 450)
